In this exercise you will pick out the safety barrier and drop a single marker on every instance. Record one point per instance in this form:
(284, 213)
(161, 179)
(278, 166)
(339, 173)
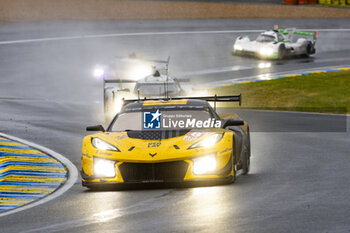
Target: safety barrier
(342, 3)
(339, 3)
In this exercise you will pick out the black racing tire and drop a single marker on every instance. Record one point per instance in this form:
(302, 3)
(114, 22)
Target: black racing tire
(309, 49)
(282, 51)
(234, 168)
(246, 161)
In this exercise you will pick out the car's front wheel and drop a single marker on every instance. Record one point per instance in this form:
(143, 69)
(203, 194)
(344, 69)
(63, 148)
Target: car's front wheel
(281, 51)
(234, 168)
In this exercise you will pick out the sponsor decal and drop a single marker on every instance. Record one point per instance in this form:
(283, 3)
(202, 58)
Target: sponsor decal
(121, 137)
(192, 136)
(152, 120)
(157, 120)
(154, 144)
(192, 123)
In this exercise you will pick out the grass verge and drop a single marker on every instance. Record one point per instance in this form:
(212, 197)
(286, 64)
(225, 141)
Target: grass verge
(320, 92)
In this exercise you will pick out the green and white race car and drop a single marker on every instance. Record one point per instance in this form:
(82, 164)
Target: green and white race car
(277, 44)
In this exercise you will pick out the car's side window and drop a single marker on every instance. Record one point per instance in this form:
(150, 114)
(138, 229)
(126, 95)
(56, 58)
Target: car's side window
(280, 37)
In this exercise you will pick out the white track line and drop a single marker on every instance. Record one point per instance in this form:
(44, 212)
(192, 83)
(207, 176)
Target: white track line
(149, 34)
(72, 175)
(271, 75)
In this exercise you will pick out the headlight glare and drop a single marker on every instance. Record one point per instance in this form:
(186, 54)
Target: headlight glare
(98, 72)
(237, 47)
(102, 145)
(266, 51)
(104, 167)
(205, 164)
(208, 141)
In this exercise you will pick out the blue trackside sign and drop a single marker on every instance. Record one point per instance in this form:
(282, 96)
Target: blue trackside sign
(152, 120)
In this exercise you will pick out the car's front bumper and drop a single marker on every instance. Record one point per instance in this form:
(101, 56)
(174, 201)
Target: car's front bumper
(196, 182)
(163, 172)
(255, 54)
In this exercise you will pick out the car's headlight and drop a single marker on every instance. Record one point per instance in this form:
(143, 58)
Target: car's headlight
(99, 72)
(205, 164)
(208, 141)
(237, 47)
(102, 145)
(104, 167)
(266, 51)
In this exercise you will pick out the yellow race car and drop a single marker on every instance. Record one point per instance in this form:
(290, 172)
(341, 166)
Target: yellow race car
(166, 141)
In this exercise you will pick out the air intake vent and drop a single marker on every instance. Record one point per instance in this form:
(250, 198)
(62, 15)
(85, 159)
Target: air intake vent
(156, 134)
(154, 172)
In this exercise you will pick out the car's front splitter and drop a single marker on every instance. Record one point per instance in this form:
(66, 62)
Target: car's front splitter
(156, 184)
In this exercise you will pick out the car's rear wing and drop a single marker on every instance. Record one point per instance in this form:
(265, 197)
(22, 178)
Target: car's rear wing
(121, 81)
(115, 81)
(133, 57)
(289, 32)
(118, 81)
(215, 98)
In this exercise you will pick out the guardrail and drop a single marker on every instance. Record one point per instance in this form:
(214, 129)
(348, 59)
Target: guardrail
(338, 3)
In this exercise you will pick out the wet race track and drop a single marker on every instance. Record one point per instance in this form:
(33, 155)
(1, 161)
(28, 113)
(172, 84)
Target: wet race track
(300, 162)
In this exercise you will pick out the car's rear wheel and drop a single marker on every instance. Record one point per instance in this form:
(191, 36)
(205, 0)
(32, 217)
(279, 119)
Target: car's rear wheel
(309, 49)
(246, 160)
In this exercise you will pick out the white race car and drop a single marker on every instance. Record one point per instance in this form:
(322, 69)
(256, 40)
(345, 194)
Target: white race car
(277, 44)
(154, 85)
(140, 80)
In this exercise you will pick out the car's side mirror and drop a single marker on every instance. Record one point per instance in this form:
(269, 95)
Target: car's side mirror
(233, 122)
(95, 128)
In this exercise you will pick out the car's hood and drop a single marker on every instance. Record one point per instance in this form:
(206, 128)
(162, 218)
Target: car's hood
(254, 46)
(150, 146)
(263, 44)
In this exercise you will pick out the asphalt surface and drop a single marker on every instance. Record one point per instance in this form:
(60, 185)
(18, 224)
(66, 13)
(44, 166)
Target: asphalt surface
(299, 166)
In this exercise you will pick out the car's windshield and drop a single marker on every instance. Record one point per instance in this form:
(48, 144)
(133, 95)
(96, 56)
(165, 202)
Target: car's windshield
(155, 89)
(265, 38)
(163, 119)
